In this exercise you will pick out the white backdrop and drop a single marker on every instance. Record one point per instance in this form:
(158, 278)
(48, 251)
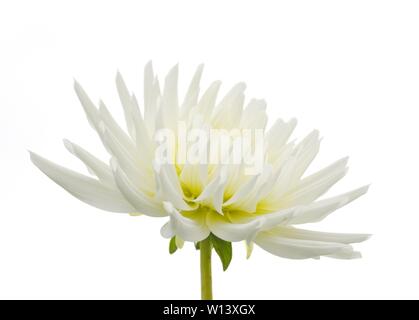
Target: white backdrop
(347, 68)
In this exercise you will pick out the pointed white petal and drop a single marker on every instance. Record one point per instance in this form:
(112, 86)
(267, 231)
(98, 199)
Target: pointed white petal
(249, 249)
(191, 97)
(230, 108)
(271, 220)
(169, 188)
(294, 233)
(148, 92)
(254, 115)
(280, 186)
(315, 185)
(235, 177)
(296, 248)
(142, 137)
(243, 191)
(82, 187)
(194, 177)
(263, 222)
(266, 182)
(89, 108)
(125, 98)
(207, 102)
(305, 152)
(119, 135)
(331, 169)
(151, 97)
(291, 171)
(166, 231)
(213, 193)
(179, 242)
(129, 163)
(209, 190)
(94, 165)
(187, 229)
(134, 118)
(224, 229)
(281, 156)
(277, 136)
(249, 192)
(170, 103)
(319, 210)
(346, 253)
(141, 202)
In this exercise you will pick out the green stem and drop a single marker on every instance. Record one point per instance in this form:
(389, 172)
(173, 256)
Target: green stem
(206, 276)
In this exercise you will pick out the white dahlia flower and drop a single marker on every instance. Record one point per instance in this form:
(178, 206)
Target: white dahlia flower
(165, 165)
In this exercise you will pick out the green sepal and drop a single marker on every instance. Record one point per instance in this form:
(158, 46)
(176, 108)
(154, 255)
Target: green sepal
(172, 245)
(197, 245)
(223, 249)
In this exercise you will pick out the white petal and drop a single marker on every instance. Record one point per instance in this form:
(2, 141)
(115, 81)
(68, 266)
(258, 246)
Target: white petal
(169, 188)
(148, 91)
(331, 169)
(187, 229)
(151, 97)
(282, 155)
(218, 197)
(224, 229)
(291, 171)
(125, 98)
(141, 202)
(207, 102)
(254, 115)
(262, 222)
(319, 210)
(249, 249)
(142, 137)
(235, 177)
(89, 108)
(94, 165)
(243, 191)
(130, 164)
(267, 181)
(134, 118)
(346, 253)
(119, 135)
(170, 104)
(230, 108)
(296, 248)
(213, 193)
(179, 242)
(281, 186)
(194, 177)
(294, 233)
(305, 152)
(264, 182)
(82, 187)
(102, 116)
(271, 220)
(191, 97)
(277, 136)
(166, 231)
(315, 185)
(209, 189)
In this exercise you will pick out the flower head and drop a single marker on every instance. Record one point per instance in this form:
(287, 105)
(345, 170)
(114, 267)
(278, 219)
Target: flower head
(165, 165)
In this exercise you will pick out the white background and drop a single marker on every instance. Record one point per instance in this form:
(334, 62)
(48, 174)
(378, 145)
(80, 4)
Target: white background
(347, 68)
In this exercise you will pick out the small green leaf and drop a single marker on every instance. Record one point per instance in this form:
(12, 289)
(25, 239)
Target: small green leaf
(223, 249)
(172, 245)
